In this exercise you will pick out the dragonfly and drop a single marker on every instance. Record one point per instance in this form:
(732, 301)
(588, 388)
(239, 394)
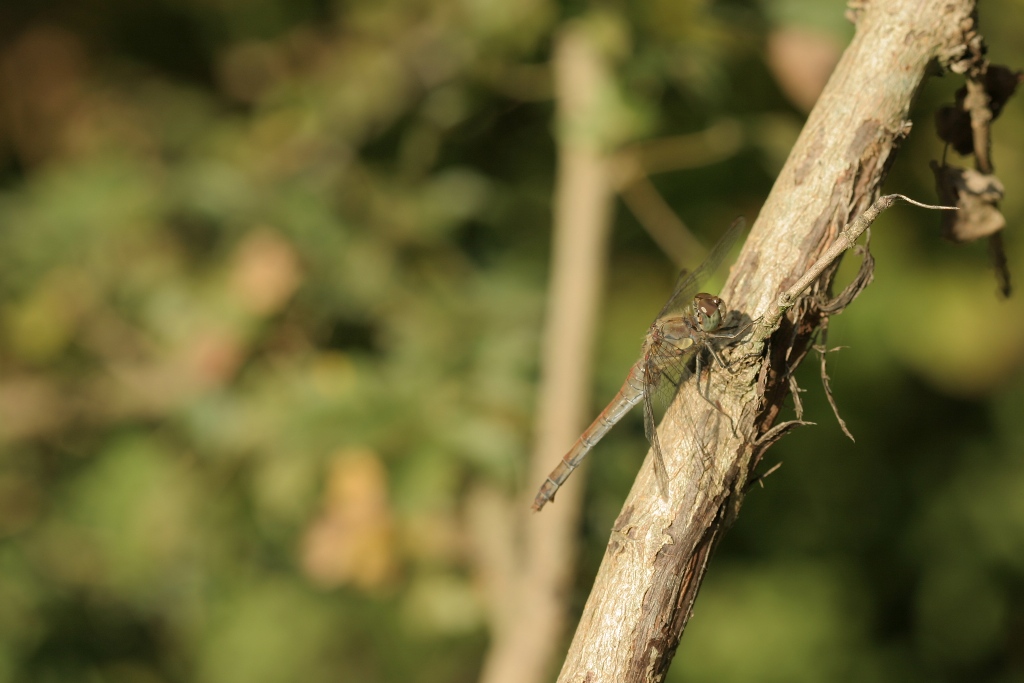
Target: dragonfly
(681, 332)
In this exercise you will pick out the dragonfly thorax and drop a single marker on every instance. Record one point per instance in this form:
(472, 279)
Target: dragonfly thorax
(707, 310)
(678, 331)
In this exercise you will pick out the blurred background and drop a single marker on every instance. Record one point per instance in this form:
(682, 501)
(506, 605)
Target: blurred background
(274, 278)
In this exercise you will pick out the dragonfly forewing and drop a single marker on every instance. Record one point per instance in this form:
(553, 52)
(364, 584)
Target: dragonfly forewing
(689, 282)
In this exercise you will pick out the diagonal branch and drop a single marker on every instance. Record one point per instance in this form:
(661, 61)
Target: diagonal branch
(655, 561)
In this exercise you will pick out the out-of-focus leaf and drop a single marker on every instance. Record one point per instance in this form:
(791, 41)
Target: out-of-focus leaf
(352, 540)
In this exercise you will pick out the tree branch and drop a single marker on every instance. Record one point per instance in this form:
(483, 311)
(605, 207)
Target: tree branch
(659, 550)
(528, 612)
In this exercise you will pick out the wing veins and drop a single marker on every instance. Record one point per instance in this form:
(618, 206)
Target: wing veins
(688, 283)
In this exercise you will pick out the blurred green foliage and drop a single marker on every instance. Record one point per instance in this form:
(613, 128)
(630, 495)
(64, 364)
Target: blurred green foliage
(273, 275)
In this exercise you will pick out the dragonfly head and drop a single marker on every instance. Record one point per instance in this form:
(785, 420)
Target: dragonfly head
(708, 310)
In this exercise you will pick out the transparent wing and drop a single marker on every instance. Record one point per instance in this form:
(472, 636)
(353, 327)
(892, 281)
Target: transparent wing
(688, 283)
(674, 366)
(664, 372)
(651, 430)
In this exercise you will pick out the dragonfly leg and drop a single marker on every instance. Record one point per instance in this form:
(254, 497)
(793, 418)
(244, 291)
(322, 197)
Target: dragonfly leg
(725, 366)
(740, 331)
(743, 329)
(706, 394)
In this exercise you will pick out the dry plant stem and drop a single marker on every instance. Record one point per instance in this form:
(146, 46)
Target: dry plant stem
(655, 561)
(826, 381)
(529, 602)
(981, 127)
(635, 164)
(660, 221)
(846, 239)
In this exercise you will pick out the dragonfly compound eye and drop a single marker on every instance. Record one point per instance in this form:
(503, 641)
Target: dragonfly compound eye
(709, 311)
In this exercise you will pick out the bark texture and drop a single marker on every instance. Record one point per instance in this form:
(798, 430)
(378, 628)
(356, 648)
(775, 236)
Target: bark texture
(658, 551)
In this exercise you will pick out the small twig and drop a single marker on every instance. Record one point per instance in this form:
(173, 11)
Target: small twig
(759, 479)
(664, 226)
(859, 283)
(768, 439)
(823, 350)
(844, 241)
(633, 166)
(779, 431)
(795, 390)
(977, 104)
(718, 142)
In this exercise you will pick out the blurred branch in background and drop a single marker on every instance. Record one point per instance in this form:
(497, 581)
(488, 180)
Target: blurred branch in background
(635, 164)
(528, 604)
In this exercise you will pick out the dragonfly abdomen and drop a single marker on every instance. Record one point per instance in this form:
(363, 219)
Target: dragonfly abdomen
(629, 395)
